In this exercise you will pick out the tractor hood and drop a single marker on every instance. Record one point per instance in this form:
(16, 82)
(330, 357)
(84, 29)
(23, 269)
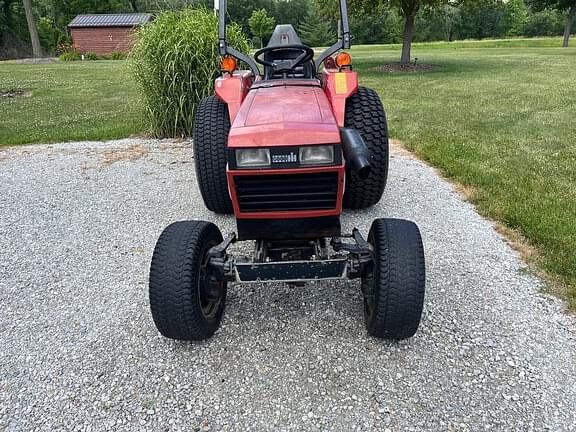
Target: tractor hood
(277, 113)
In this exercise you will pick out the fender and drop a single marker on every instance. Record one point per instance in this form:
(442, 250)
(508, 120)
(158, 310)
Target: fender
(232, 89)
(339, 86)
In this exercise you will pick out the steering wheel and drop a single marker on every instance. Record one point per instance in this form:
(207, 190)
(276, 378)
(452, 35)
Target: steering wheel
(285, 66)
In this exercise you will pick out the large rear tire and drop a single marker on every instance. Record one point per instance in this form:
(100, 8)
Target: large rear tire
(364, 112)
(394, 291)
(187, 303)
(210, 138)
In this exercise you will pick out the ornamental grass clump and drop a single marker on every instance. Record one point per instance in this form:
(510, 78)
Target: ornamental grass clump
(174, 62)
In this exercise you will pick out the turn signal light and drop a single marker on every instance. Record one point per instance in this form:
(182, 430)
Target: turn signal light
(343, 59)
(229, 64)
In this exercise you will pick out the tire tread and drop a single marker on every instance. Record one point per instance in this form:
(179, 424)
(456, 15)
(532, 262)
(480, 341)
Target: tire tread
(399, 279)
(173, 282)
(211, 131)
(364, 112)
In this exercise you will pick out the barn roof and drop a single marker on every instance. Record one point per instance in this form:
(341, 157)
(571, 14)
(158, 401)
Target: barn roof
(110, 20)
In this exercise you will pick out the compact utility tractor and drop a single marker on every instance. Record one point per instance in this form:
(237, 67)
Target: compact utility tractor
(285, 147)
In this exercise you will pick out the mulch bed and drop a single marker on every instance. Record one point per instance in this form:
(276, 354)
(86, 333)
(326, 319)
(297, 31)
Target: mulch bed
(408, 67)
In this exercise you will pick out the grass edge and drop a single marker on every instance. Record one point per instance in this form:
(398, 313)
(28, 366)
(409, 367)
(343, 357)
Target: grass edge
(528, 253)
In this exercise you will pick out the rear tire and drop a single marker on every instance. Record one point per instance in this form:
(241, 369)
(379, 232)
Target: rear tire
(394, 291)
(364, 112)
(211, 130)
(186, 303)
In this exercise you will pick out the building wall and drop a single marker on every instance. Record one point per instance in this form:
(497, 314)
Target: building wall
(102, 40)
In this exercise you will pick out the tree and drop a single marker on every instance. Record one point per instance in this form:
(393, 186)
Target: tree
(566, 6)
(548, 22)
(383, 27)
(316, 31)
(36, 48)
(437, 24)
(481, 19)
(261, 25)
(516, 16)
(290, 11)
(408, 9)
(569, 21)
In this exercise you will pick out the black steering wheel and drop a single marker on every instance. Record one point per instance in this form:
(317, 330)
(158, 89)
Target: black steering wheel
(288, 65)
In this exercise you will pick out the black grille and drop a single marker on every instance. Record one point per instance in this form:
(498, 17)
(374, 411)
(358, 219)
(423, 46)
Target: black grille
(287, 192)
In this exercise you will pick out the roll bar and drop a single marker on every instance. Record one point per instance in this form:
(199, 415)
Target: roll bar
(223, 47)
(344, 37)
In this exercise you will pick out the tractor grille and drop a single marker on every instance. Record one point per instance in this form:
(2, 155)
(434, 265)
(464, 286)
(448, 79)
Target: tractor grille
(287, 192)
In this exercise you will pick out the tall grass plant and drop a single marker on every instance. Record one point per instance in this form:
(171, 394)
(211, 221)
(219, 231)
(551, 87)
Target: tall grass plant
(174, 62)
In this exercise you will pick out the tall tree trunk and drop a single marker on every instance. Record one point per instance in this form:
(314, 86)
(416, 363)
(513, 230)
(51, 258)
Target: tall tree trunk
(407, 36)
(36, 49)
(569, 21)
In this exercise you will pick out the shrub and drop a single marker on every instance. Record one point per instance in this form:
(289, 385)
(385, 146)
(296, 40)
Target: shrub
(71, 55)
(91, 56)
(118, 55)
(544, 23)
(50, 36)
(63, 47)
(174, 62)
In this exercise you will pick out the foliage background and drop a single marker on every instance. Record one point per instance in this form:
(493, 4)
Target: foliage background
(465, 19)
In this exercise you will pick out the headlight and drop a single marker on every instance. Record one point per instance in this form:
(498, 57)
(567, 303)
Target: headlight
(252, 157)
(317, 155)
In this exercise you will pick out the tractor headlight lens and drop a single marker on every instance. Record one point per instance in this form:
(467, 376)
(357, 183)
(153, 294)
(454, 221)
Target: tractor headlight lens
(252, 158)
(317, 155)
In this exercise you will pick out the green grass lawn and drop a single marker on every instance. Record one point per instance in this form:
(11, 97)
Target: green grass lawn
(71, 101)
(497, 116)
(502, 121)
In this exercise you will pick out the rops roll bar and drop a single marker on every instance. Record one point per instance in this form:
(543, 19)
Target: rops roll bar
(344, 37)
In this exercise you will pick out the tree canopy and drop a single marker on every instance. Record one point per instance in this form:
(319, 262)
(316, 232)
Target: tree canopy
(566, 6)
(371, 21)
(261, 25)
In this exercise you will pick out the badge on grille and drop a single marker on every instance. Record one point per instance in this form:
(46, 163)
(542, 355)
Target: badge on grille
(284, 158)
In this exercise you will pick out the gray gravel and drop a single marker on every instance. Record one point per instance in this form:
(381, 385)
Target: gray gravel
(79, 351)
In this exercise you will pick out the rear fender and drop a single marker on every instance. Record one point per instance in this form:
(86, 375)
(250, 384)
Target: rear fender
(232, 89)
(338, 87)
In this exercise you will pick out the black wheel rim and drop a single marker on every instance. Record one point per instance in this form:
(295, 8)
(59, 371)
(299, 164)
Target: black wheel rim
(210, 290)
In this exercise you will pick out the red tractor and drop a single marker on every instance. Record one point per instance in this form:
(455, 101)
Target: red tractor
(285, 148)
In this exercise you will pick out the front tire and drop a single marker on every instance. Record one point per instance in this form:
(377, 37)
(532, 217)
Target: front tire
(186, 302)
(394, 291)
(211, 129)
(364, 112)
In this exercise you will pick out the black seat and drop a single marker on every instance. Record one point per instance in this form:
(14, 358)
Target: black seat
(284, 34)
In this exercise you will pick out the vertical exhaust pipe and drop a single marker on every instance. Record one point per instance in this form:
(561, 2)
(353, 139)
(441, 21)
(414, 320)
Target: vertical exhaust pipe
(356, 153)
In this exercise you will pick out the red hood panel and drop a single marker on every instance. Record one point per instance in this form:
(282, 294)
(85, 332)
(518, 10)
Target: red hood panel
(284, 115)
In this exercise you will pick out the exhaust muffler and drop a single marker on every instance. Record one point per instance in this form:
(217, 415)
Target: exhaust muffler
(356, 153)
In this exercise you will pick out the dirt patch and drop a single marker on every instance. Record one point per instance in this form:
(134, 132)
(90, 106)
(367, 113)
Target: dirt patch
(43, 60)
(135, 151)
(408, 67)
(15, 93)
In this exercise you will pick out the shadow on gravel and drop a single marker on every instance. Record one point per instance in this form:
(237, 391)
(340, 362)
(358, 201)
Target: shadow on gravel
(328, 308)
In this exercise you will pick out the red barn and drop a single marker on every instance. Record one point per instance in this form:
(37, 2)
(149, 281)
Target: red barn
(103, 34)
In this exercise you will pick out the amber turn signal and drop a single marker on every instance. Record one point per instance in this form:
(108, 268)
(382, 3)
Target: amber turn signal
(229, 64)
(343, 59)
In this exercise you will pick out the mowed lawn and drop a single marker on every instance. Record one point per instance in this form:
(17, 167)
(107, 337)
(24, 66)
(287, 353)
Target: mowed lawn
(499, 117)
(70, 101)
(503, 122)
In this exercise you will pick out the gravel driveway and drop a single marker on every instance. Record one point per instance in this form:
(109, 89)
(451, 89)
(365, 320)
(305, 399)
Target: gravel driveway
(79, 351)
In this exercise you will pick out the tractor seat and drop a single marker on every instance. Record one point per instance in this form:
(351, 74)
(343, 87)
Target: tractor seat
(284, 34)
